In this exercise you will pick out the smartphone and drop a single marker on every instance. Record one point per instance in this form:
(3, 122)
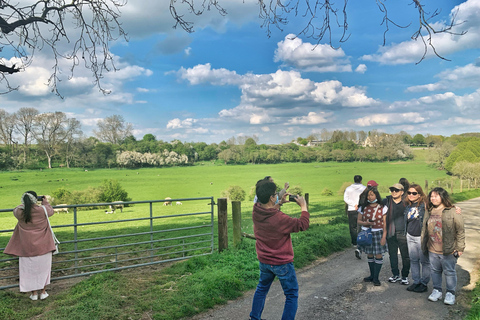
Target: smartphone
(455, 254)
(292, 198)
(40, 198)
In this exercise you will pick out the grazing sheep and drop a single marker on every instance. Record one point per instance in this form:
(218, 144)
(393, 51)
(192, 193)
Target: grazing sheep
(117, 205)
(59, 210)
(167, 203)
(178, 203)
(111, 211)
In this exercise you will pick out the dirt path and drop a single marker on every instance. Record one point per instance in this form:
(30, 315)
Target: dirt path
(332, 288)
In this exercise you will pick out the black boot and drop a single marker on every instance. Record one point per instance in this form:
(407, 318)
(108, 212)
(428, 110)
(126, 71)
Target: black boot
(376, 271)
(371, 266)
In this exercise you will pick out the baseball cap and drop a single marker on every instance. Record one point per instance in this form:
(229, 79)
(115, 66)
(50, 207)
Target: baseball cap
(397, 186)
(372, 183)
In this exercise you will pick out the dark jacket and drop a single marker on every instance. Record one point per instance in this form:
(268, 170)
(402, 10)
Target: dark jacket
(453, 231)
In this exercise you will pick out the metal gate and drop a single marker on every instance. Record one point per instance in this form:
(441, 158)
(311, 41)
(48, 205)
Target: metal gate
(120, 235)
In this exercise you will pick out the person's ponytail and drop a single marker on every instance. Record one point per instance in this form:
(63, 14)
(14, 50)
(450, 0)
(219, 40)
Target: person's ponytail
(28, 205)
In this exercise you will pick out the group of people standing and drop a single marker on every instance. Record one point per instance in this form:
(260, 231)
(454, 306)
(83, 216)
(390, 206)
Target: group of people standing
(427, 230)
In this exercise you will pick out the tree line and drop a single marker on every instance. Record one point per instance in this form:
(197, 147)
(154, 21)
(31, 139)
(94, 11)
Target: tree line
(33, 140)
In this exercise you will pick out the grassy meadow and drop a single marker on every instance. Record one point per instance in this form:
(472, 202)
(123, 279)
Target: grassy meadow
(188, 287)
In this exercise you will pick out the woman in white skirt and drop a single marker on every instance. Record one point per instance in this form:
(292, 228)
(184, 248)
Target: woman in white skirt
(33, 243)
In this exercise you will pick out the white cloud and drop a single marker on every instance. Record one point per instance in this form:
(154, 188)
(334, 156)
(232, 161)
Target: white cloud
(466, 17)
(178, 124)
(461, 77)
(389, 119)
(282, 89)
(311, 119)
(292, 51)
(265, 129)
(361, 68)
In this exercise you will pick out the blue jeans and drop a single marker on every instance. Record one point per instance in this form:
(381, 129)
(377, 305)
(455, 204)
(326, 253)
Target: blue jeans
(288, 279)
(419, 262)
(443, 264)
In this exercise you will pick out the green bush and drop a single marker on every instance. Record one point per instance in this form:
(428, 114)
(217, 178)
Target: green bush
(326, 192)
(234, 193)
(111, 191)
(296, 190)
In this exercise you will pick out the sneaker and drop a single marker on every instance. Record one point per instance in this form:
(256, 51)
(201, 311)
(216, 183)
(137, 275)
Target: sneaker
(449, 298)
(394, 279)
(435, 295)
(420, 288)
(43, 295)
(405, 281)
(34, 297)
(412, 287)
(358, 254)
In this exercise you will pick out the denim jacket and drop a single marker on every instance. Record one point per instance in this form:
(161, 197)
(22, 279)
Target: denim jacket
(453, 231)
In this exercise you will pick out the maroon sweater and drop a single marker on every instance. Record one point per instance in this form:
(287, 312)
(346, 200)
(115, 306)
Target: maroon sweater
(272, 230)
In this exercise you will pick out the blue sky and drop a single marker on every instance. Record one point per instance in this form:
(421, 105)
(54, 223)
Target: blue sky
(229, 79)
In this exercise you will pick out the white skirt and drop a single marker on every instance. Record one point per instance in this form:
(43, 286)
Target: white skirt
(34, 272)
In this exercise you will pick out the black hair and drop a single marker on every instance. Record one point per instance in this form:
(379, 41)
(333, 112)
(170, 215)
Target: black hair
(404, 182)
(27, 210)
(265, 189)
(363, 202)
(357, 179)
(446, 200)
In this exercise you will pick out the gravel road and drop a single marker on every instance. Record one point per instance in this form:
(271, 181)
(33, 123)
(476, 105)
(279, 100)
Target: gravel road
(332, 288)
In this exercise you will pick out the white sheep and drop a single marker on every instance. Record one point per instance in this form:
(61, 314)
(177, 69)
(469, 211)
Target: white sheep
(58, 210)
(111, 211)
(117, 205)
(167, 203)
(178, 203)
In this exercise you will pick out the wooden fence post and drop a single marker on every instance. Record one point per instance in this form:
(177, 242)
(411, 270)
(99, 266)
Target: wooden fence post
(222, 224)
(237, 222)
(426, 187)
(307, 199)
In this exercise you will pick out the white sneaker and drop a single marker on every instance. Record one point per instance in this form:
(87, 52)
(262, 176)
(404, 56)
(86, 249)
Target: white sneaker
(449, 298)
(435, 295)
(34, 297)
(43, 295)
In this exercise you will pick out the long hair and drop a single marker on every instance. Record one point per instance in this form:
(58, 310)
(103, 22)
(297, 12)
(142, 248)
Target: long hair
(363, 201)
(421, 199)
(444, 196)
(28, 204)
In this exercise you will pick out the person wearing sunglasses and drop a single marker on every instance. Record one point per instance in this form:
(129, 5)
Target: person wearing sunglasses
(396, 238)
(419, 261)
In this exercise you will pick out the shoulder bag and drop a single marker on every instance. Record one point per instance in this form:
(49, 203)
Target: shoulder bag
(55, 240)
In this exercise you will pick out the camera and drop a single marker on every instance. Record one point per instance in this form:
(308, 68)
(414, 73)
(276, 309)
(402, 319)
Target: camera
(40, 198)
(292, 198)
(455, 254)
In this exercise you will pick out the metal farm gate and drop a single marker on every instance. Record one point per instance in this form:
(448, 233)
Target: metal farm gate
(94, 238)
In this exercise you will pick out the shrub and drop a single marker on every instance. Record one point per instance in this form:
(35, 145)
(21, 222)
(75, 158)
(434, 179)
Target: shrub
(296, 190)
(111, 191)
(327, 192)
(234, 193)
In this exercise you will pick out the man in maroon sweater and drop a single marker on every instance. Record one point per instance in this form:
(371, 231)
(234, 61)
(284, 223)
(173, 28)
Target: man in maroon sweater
(272, 230)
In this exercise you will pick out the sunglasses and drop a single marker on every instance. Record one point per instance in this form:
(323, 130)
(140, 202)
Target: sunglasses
(394, 190)
(412, 193)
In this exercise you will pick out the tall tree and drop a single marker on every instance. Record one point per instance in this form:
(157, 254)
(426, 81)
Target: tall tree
(7, 127)
(113, 129)
(24, 122)
(51, 130)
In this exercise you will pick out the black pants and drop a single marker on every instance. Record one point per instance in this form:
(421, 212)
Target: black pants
(352, 225)
(399, 241)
